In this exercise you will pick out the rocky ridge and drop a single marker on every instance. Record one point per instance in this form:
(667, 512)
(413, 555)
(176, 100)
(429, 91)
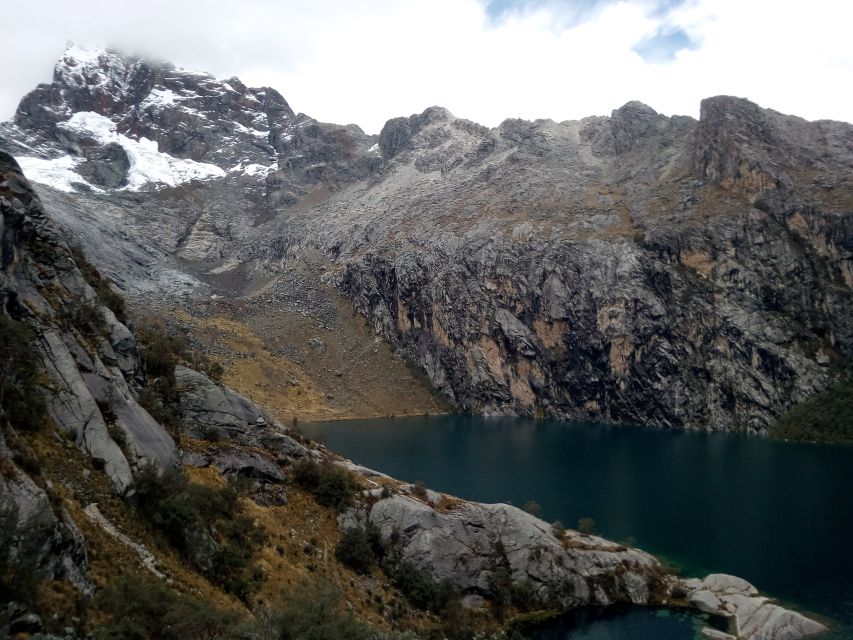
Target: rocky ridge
(632, 268)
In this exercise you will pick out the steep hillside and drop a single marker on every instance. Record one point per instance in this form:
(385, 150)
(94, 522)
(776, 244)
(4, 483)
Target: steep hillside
(636, 268)
(633, 268)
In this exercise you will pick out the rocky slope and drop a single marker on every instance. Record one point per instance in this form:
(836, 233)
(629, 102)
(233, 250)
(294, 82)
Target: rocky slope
(632, 268)
(635, 268)
(97, 444)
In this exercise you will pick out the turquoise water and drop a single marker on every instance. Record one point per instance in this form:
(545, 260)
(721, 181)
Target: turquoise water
(778, 514)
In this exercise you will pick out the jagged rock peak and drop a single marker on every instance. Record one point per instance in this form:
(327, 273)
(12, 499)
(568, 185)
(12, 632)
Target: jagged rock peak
(398, 132)
(634, 108)
(91, 67)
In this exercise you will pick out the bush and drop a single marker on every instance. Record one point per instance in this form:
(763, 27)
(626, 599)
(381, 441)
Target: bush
(359, 548)
(84, 316)
(160, 350)
(313, 611)
(586, 525)
(421, 590)
(532, 507)
(139, 609)
(332, 485)
(419, 489)
(205, 525)
(503, 589)
(353, 549)
(21, 398)
(558, 530)
(825, 417)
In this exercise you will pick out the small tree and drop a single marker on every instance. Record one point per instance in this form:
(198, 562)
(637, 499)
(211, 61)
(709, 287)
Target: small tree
(354, 550)
(558, 530)
(586, 525)
(419, 489)
(532, 507)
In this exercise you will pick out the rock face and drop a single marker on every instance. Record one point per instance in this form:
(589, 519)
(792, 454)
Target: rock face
(477, 547)
(751, 616)
(470, 542)
(112, 123)
(632, 268)
(37, 539)
(88, 355)
(248, 441)
(636, 268)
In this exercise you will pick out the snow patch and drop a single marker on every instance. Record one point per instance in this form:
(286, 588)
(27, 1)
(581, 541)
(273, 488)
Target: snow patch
(253, 169)
(57, 173)
(159, 98)
(147, 163)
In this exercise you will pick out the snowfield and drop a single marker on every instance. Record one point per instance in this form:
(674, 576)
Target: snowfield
(148, 165)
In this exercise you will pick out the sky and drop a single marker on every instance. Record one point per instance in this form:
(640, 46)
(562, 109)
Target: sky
(485, 60)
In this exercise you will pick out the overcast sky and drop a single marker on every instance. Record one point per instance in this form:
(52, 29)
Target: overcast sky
(486, 60)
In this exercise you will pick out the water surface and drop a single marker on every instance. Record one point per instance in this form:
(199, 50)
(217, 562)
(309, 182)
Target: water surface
(778, 514)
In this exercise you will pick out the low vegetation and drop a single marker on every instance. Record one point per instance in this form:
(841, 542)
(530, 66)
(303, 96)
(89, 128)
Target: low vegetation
(825, 417)
(21, 396)
(205, 525)
(360, 548)
(332, 486)
(141, 609)
(160, 351)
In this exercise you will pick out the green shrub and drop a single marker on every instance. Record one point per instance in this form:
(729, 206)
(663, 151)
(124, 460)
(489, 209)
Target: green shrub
(160, 350)
(421, 589)
(205, 525)
(84, 316)
(141, 609)
(21, 397)
(586, 525)
(312, 611)
(558, 530)
(532, 507)
(825, 417)
(360, 548)
(333, 486)
(419, 489)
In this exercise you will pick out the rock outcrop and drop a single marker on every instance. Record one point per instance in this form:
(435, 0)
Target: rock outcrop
(468, 542)
(89, 357)
(37, 540)
(479, 547)
(751, 616)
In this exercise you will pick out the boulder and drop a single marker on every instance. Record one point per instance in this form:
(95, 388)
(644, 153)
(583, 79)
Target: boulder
(468, 542)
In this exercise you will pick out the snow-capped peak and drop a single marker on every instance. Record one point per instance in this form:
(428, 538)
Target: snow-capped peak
(96, 68)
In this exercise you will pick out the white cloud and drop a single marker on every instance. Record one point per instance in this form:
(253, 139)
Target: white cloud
(367, 62)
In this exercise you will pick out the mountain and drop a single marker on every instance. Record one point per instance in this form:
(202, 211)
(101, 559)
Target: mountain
(633, 268)
(140, 498)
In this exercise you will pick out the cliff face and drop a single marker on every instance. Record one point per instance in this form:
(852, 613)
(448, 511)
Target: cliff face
(634, 268)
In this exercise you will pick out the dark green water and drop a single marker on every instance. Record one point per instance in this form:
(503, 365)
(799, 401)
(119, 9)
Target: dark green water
(778, 514)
